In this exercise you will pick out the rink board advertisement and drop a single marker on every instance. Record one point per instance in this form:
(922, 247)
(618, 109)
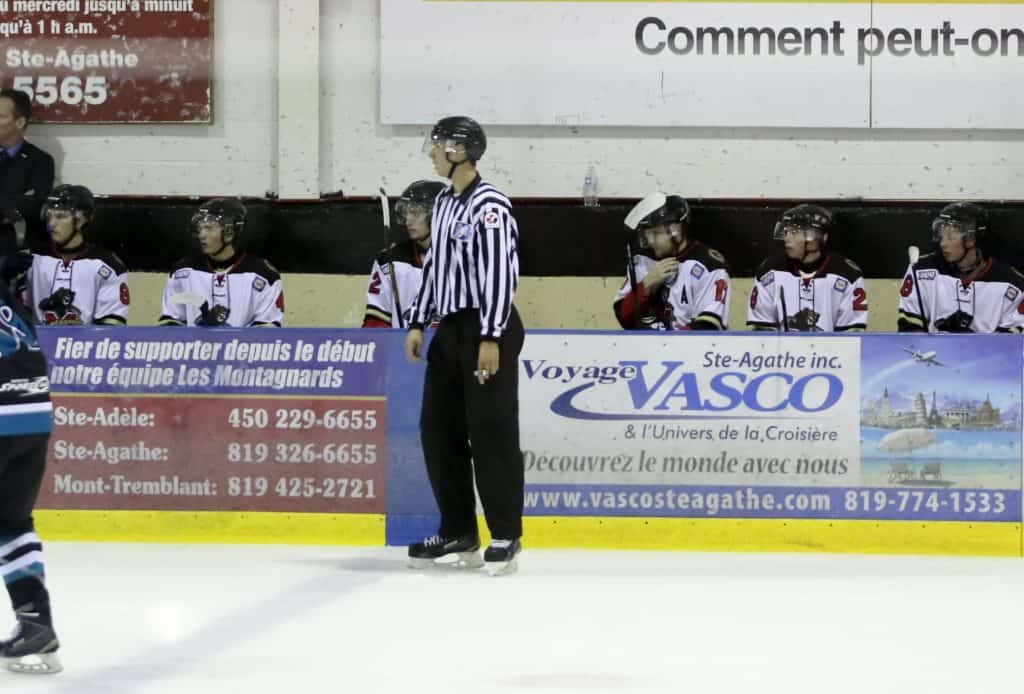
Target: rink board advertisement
(770, 427)
(804, 64)
(204, 420)
(627, 426)
(110, 61)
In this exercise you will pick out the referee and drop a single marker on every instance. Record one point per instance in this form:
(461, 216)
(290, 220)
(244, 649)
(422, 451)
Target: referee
(469, 422)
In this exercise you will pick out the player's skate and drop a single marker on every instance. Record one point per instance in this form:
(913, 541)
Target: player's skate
(32, 648)
(501, 557)
(462, 552)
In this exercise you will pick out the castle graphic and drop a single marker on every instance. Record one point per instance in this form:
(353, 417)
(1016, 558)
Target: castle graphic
(962, 416)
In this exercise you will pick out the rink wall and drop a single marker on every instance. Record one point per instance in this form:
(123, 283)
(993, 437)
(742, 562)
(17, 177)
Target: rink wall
(735, 442)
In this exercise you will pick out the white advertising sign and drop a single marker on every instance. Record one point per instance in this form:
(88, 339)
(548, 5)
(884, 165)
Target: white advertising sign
(690, 409)
(840, 65)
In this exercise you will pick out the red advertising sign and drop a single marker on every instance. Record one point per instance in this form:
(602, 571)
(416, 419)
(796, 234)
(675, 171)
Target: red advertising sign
(110, 61)
(217, 453)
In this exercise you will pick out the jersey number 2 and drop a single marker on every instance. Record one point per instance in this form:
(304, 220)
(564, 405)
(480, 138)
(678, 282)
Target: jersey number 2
(860, 300)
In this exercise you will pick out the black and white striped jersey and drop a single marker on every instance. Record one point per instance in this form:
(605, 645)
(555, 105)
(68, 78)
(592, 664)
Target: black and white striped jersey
(398, 268)
(473, 261)
(247, 287)
(87, 287)
(829, 297)
(696, 299)
(993, 301)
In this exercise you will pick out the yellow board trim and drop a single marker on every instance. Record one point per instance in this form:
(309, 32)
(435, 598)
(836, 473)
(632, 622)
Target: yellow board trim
(690, 534)
(771, 535)
(219, 527)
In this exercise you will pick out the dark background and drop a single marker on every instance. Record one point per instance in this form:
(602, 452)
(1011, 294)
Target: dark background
(557, 237)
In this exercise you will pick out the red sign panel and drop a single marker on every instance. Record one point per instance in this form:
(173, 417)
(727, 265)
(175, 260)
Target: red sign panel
(235, 453)
(110, 61)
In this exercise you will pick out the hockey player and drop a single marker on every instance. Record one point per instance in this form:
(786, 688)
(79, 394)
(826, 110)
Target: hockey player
(960, 289)
(76, 283)
(25, 423)
(676, 283)
(224, 286)
(807, 288)
(395, 277)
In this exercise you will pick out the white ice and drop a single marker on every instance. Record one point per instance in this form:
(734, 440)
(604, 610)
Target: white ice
(156, 619)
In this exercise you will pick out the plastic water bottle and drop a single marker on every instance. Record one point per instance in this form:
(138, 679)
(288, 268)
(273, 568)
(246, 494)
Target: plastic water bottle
(590, 188)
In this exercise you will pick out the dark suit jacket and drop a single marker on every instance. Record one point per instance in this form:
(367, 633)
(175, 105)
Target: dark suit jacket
(25, 181)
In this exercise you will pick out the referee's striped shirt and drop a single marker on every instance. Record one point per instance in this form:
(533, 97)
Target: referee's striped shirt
(473, 261)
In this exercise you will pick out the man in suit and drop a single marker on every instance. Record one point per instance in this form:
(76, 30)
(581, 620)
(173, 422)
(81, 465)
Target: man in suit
(26, 172)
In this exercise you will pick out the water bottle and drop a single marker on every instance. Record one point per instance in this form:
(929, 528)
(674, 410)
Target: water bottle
(590, 188)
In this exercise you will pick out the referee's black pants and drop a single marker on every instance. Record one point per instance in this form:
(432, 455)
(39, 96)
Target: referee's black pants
(466, 427)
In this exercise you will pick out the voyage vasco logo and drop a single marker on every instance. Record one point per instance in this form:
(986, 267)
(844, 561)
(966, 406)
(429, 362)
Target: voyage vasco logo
(667, 390)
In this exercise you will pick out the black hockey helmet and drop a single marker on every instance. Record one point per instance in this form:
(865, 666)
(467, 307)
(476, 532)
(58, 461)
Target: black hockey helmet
(71, 198)
(417, 198)
(228, 212)
(657, 209)
(964, 218)
(812, 220)
(458, 130)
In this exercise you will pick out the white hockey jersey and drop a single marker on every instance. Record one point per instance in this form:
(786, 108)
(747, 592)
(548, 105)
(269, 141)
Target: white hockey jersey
(829, 298)
(993, 301)
(84, 288)
(696, 299)
(244, 291)
(407, 260)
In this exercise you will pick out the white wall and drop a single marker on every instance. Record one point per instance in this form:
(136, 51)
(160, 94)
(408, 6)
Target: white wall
(746, 163)
(241, 154)
(235, 155)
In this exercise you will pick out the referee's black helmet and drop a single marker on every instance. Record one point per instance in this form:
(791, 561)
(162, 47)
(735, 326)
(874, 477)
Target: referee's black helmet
(461, 130)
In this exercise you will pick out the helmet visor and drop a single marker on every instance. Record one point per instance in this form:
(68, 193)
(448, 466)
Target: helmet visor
(446, 144)
(410, 211)
(784, 230)
(206, 219)
(950, 227)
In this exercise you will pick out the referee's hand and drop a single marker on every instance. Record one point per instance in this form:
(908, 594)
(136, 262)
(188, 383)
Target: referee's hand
(414, 345)
(487, 361)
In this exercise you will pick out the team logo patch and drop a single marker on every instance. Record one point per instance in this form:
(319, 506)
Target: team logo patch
(386, 268)
(925, 275)
(182, 273)
(841, 285)
(462, 231)
(768, 279)
(259, 284)
(492, 220)
(105, 272)
(697, 271)
(1011, 293)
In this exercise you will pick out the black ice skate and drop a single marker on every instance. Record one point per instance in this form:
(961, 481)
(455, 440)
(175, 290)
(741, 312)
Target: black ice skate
(437, 550)
(501, 557)
(32, 649)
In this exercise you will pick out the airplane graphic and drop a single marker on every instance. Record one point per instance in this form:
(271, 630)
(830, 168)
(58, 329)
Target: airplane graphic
(926, 358)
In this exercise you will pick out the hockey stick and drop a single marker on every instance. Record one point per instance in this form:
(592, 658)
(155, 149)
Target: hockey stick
(914, 254)
(780, 301)
(385, 213)
(631, 274)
